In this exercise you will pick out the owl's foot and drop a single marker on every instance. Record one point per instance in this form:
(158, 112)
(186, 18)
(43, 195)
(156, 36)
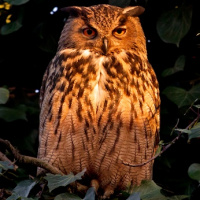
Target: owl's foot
(108, 192)
(95, 184)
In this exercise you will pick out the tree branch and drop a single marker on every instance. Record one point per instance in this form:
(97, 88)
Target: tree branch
(29, 160)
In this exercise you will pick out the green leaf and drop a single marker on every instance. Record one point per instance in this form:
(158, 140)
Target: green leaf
(195, 131)
(67, 196)
(149, 191)
(28, 109)
(134, 196)
(197, 106)
(179, 66)
(182, 97)
(5, 165)
(11, 27)
(10, 114)
(4, 95)
(23, 188)
(178, 197)
(194, 171)
(13, 197)
(121, 3)
(16, 197)
(90, 194)
(183, 130)
(173, 25)
(159, 149)
(17, 2)
(57, 180)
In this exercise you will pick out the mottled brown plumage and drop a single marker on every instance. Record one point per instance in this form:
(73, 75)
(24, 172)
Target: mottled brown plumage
(100, 99)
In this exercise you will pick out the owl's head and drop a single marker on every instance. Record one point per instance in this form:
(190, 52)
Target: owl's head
(103, 29)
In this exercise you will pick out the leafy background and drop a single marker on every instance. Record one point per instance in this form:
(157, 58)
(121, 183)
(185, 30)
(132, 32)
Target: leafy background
(28, 41)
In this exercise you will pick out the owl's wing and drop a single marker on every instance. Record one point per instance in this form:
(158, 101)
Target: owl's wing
(145, 118)
(130, 129)
(63, 139)
(47, 103)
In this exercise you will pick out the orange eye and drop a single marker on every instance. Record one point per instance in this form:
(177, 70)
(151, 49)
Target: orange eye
(89, 32)
(119, 32)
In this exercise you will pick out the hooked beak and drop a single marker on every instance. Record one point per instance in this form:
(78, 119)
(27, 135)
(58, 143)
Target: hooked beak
(105, 46)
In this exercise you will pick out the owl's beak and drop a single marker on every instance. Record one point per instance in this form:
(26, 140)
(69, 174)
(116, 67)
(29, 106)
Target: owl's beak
(105, 45)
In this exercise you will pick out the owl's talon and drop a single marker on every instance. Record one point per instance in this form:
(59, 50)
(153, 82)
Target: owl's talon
(95, 184)
(108, 192)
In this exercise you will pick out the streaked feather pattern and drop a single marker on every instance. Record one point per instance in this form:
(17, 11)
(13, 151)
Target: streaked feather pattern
(98, 111)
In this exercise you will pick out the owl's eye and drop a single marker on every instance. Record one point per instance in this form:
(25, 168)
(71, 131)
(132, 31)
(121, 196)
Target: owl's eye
(119, 32)
(89, 32)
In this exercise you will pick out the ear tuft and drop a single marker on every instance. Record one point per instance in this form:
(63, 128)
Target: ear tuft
(133, 11)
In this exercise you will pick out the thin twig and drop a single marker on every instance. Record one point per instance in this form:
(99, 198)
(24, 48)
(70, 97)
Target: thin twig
(154, 157)
(190, 108)
(166, 146)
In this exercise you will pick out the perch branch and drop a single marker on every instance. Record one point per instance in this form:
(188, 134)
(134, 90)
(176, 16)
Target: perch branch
(29, 160)
(34, 161)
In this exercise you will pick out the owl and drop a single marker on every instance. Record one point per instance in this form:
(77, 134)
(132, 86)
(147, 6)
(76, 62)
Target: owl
(100, 99)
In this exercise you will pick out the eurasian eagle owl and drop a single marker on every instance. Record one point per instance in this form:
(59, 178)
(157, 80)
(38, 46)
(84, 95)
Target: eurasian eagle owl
(100, 99)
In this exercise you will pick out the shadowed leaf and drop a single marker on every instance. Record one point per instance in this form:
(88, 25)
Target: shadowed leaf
(17, 2)
(57, 180)
(197, 106)
(194, 171)
(173, 25)
(10, 28)
(194, 132)
(179, 66)
(182, 97)
(67, 196)
(4, 95)
(90, 195)
(5, 165)
(178, 197)
(13, 197)
(183, 130)
(10, 114)
(23, 188)
(134, 196)
(17, 197)
(149, 190)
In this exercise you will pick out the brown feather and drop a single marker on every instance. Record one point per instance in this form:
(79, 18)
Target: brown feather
(100, 110)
